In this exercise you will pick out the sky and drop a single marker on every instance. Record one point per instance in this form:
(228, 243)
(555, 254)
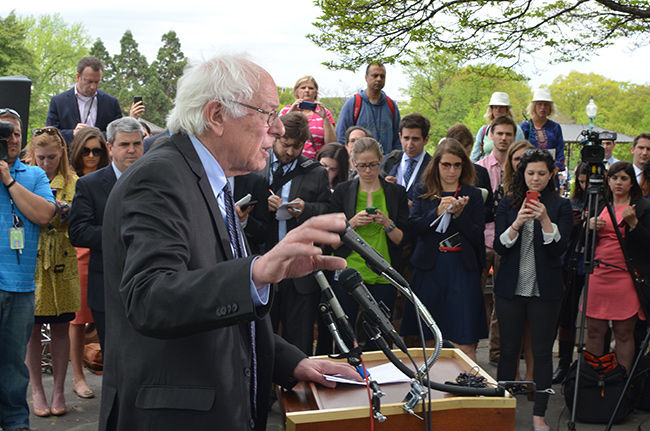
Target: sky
(275, 38)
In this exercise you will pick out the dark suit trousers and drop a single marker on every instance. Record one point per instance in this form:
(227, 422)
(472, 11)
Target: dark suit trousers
(297, 314)
(100, 323)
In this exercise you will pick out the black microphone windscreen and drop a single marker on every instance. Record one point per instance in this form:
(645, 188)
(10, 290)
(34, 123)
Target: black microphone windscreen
(350, 278)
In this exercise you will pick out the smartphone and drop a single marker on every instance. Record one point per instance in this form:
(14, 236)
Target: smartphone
(247, 204)
(531, 195)
(371, 210)
(308, 105)
(137, 99)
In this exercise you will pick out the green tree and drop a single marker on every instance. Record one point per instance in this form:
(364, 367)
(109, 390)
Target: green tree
(15, 58)
(170, 63)
(504, 31)
(56, 47)
(447, 91)
(98, 50)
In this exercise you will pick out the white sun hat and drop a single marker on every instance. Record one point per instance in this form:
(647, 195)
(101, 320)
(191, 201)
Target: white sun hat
(542, 95)
(499, 99)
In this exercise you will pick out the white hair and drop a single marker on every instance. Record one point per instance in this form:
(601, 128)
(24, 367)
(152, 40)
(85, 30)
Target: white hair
(226, 78)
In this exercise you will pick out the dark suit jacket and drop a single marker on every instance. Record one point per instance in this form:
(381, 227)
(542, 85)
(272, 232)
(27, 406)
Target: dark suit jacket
(344, 199)
(86, 220)
(179, 306)
(391, 165)
(548, 258)
(313, 188)
(483, 181)
(64, 112)
(257, 224)
(470, 224)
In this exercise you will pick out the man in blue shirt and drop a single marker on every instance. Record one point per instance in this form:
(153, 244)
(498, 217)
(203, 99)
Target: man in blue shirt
(26, 201)
(372, 109)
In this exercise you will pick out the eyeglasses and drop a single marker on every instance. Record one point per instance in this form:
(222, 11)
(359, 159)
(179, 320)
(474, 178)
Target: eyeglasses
(447, 165)
(372, 166)
(10, 111)
(273, 115)
(85, 151)
(49, 130)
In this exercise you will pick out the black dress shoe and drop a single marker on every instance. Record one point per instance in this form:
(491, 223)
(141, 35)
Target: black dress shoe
(560, 373)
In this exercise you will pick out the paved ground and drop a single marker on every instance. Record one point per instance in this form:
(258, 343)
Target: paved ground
(82, 414)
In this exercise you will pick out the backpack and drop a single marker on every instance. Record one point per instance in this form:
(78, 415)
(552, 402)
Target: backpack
(357, 107)
(602, 380)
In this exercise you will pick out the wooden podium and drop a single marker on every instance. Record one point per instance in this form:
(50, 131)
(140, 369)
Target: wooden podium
(312, 407)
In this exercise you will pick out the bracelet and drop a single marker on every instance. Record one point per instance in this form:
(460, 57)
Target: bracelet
(390, 228)
(512, 227)
(10, 184)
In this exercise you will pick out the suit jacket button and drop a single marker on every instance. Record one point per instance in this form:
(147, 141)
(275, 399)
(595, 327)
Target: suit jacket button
(251, 423)
(247, 372)
(221, 311)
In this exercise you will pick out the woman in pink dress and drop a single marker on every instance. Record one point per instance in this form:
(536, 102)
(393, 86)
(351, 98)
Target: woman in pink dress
(612, 295)
(322, 132)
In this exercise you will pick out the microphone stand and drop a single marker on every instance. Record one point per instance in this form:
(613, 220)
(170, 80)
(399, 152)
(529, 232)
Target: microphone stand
(353, 357)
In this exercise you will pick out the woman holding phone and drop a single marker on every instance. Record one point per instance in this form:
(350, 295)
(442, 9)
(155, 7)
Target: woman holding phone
(378, 211)
(321, 121)
(533, 225)
(448, 263)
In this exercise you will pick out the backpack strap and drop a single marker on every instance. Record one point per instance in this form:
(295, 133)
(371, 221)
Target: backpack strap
(357, 108)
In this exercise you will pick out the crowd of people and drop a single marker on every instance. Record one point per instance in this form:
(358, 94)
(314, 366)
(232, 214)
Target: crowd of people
(188, 260)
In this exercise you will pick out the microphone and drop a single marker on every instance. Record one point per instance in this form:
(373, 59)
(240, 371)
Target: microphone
(374, 260)
(334, 304)
(352, 282)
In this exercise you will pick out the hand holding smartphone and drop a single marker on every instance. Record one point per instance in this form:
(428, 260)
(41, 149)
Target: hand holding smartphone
(531, 195)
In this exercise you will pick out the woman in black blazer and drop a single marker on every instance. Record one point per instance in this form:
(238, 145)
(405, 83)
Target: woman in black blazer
(447, 263)
(612, 295)
(531, 236)
(378, 211)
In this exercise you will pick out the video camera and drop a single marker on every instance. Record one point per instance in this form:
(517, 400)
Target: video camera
(6, 130)
(593, 152)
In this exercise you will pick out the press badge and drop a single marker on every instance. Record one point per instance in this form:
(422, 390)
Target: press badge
(17, 238)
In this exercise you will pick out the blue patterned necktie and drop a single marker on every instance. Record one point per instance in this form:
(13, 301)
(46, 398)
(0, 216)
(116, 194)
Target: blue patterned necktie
(238, 252)
(410, 168)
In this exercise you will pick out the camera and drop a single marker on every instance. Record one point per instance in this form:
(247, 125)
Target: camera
(6, 129)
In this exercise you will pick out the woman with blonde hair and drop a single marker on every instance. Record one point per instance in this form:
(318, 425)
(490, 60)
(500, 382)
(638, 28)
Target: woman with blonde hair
(541, 131)
(57, 279)
(321, 121)
(499, 106)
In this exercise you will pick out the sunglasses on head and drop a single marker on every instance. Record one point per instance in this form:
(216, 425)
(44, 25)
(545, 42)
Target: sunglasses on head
(85, 151)
(10, 111)
(49, 130)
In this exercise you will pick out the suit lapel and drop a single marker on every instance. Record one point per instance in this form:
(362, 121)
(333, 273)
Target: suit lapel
(186, 149)
(350, 203)
(74, 106)
(109, 179)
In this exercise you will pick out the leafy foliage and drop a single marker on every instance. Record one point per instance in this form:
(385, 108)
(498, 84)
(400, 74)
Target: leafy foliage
(56, 47)
(15, 57)
(361, 31)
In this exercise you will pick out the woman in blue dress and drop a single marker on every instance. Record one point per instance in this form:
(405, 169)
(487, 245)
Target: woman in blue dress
(542, 132)
(447, 262)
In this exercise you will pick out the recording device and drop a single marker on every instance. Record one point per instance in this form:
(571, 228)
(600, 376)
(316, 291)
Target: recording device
(6, 129)
(593, 150)
(311, 106)
(352, 282)
(137, 99)
(247, 204)
(374, 260)
(371, 210)
(334, 304)
(531, 195)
